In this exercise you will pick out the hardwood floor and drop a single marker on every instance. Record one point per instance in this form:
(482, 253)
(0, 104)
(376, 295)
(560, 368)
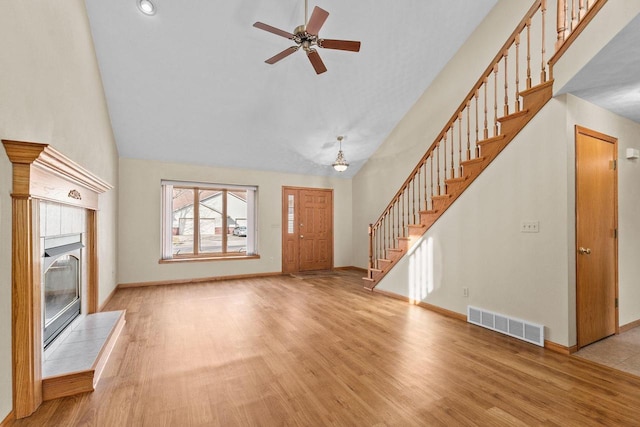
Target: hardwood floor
(322, 351)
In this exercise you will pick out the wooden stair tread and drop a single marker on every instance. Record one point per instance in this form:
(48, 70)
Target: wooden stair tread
(375, 270)
(536, 88)
(429, 212)
(441, 197)
(416, 225)
(512, 116)
(456, 180)
(473, 161)
(384, 260)
(492, 139)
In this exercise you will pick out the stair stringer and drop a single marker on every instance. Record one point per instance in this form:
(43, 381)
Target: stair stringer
(534, 100)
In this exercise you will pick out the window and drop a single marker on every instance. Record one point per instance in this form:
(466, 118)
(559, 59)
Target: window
(208, 220)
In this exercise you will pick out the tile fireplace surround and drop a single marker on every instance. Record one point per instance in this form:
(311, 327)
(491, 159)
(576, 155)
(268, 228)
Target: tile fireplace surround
(41, 175)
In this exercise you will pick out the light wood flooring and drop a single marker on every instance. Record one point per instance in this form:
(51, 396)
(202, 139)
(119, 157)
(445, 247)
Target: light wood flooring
(322, 351)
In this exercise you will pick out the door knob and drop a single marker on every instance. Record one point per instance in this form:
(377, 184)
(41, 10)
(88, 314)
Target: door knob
(301, 236)
(584, 251)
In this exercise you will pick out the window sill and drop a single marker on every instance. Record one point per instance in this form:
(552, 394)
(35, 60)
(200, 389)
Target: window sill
(208, 258)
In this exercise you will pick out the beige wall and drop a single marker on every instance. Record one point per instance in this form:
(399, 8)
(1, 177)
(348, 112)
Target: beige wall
(381, 177)
(51, 92)
(140, 229)
(478, 244)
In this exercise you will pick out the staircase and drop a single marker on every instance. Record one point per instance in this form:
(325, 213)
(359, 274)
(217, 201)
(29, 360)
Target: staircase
(500, 104)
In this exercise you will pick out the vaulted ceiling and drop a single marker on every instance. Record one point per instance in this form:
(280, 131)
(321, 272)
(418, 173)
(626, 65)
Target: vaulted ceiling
(190, 85)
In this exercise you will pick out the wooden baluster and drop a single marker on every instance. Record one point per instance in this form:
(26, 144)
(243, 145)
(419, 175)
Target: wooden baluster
(403, 211)
(506, 83)
(528, 25)
(560, 22)
(452, 174)
(444, 155)
(543, 73)
(438, 167)
(426, 191)
(460, 143)
(432, 193)
(476, 96)
(393, 224)
(583, 10)
(486, 110)
(469, 129)
(413, 197)
(370, 231)
(574, 15)
(517, 72)
(495, 100)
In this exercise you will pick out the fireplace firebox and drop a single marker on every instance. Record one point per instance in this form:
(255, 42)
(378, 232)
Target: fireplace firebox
(62, 284)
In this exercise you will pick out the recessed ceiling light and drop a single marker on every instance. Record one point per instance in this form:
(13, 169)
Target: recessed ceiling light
(146, 7)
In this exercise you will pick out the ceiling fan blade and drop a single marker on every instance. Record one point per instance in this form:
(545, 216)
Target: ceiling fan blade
(352, 46)
(316, 61)
(273, 30)
(288, 51)
(318, 16)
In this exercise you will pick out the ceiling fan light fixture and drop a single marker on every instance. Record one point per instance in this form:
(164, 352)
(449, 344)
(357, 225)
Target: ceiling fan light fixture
(340, 164)
(147, 7)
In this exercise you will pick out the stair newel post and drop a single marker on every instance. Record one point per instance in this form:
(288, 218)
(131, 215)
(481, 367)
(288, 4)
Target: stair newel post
(517, 41)
(506, 82)
(543, 73)
(495, 100)
(528, 25)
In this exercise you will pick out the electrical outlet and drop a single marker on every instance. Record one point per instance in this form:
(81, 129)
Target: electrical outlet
(465, 292)
(530, 227)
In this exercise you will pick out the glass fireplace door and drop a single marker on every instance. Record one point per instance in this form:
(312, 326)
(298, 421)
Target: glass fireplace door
(61, 293)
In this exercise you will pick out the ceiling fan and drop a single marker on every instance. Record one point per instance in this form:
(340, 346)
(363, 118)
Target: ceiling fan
(306, 37)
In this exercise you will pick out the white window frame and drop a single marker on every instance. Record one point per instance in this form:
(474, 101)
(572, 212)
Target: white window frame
(167, 187)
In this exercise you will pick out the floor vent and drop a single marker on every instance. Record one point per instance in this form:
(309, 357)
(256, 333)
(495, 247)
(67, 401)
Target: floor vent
(521, 329)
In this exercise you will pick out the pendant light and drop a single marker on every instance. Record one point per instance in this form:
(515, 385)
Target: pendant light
(340, 164)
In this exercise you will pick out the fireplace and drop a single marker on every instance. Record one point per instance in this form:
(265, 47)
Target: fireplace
(61, 284)
(50, 193)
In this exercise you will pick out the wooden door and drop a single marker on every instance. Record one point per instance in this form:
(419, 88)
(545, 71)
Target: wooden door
(307, 229)
(596, 236)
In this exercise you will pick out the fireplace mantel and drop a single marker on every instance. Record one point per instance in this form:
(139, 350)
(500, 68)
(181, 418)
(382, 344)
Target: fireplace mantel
(42, 173)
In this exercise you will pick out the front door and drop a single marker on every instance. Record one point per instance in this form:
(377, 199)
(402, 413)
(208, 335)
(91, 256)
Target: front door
(596, 236)
(307, 229)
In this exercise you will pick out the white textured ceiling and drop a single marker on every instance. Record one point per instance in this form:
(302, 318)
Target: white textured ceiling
(190, 85)
(611, 79)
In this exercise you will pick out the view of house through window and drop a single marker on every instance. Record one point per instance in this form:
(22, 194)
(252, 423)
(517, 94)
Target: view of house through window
(202, 220)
